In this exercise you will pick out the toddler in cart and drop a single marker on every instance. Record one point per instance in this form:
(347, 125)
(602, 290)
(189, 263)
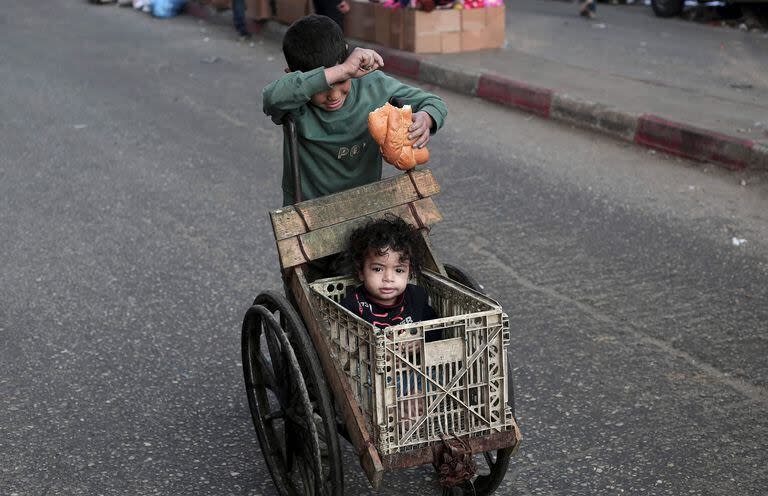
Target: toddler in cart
(386, 253)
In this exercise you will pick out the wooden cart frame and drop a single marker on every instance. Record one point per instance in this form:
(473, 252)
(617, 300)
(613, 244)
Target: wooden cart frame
(288, 362)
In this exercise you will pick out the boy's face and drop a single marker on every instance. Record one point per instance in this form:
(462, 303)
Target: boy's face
(333, 98)
(385, 276)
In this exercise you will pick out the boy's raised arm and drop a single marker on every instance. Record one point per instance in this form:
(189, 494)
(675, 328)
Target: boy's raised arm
(292, 91)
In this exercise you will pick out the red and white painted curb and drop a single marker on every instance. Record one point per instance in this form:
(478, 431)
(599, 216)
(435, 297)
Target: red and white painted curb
(676, 138)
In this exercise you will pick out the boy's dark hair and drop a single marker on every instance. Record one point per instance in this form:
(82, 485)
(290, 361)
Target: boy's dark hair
(392, 233)
(314, 41)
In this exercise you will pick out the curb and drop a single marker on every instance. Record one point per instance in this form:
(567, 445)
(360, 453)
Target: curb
(648, 130)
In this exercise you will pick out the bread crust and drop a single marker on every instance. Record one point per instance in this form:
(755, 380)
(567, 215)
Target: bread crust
(389, 127)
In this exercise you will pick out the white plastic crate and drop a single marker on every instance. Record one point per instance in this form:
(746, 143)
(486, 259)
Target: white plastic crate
(410, 390)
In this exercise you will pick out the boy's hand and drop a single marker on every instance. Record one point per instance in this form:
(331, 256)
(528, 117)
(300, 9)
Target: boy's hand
(419, 130)
(343, 6)
(362, 61)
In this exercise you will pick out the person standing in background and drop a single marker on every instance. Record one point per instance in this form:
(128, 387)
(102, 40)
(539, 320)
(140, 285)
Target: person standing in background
(588, 8)
(238, 18)
(334, 9)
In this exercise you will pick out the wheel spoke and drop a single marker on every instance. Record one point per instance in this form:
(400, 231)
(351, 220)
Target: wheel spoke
(307, 479)
(272, 416)
(275, 353)
(267, 375)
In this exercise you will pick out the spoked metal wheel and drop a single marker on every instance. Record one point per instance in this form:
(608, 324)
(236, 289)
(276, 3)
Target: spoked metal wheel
(289, 400)
(491, 465)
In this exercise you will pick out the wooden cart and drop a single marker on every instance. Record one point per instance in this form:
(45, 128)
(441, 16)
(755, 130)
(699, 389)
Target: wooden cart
(314, 371)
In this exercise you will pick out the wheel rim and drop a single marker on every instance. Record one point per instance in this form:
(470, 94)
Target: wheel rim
(289, 408)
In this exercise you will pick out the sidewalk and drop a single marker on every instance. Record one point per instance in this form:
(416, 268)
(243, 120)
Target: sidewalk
(680, 101)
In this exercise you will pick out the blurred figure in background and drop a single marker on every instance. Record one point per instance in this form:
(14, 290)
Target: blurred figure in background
(588, 8)
(334, 9)
(238, 18)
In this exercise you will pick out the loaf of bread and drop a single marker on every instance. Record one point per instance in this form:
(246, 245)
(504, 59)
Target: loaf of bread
(389, 127)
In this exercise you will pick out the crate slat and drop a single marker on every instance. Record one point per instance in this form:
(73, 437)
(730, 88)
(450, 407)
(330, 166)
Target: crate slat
(364, 200)
(332, 239)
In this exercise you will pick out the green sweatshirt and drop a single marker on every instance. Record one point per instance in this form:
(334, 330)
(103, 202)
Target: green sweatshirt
(336, 151)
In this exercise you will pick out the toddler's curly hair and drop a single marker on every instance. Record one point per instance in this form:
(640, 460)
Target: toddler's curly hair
(389, 233)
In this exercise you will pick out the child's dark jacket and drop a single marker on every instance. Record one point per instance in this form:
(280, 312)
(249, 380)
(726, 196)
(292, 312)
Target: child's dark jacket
(412, 306)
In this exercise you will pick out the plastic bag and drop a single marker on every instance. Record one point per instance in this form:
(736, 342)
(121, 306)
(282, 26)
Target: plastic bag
(167, 8)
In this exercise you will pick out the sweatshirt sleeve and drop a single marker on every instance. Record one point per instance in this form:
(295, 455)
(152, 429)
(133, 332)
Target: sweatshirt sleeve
(292, 91)
(419, 100)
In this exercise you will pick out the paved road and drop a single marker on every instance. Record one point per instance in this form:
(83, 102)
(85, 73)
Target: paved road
(135, 173)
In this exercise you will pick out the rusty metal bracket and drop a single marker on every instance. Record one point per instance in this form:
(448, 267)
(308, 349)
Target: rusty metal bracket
(453, 461)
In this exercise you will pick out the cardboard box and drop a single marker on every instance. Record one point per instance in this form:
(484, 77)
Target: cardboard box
(257, 10)
(397, 28)
(447, 21)
(425, 43)
(474, 19)
(289, 11)
(474, 40)
(382, 22)
(439, 31)
(360, 23)
(496, 26)
(450, 42)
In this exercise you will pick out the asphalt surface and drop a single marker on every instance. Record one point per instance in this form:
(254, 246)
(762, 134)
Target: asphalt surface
(135, 176)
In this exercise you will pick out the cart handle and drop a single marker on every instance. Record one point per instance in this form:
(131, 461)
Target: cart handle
(291, 137)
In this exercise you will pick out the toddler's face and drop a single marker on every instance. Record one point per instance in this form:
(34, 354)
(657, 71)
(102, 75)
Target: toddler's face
(332, 99)
(385, 276)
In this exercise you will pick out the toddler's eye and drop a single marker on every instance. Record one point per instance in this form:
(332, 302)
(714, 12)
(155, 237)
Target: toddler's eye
(399, 270)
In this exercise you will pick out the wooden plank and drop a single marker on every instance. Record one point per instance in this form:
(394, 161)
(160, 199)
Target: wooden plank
(333, 239)
(286, 222)
(364, 200)
(344, 398)
(289, 252)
